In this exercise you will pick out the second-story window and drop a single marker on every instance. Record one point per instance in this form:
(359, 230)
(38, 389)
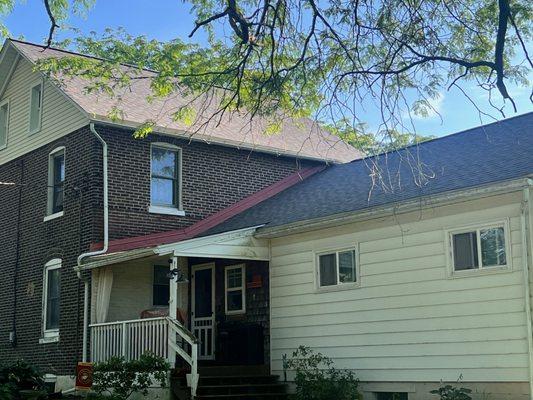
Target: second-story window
(165, 191)
(36, 105)
(56, 180)
(4, 123)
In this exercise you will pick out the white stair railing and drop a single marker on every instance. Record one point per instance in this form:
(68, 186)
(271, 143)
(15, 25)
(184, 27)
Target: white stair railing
(176, 329)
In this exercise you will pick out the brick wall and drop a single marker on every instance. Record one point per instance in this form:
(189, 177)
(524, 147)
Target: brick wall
(214, 177)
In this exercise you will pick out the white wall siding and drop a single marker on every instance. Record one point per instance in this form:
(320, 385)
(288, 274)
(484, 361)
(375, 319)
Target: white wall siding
(409, 320)
(59, 115)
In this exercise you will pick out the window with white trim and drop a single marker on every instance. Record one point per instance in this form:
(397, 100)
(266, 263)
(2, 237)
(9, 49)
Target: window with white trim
(165, 185)
(336, 268)
(235, 289)
(56, 181)
(36, 107)
(479, 248)
(51, 297)
(4, 123)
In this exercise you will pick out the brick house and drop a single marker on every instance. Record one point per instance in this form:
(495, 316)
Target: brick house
(59, 207)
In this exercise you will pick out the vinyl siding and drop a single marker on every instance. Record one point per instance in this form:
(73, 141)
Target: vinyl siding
(60, 116)
(409, 320)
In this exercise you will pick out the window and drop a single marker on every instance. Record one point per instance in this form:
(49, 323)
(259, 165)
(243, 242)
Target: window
(36, 105)
(4, 123)
(51, 297)
(165, 190)
(235, 278)
(479, 248)
(337, 268)
(56, 180)
(161, 286)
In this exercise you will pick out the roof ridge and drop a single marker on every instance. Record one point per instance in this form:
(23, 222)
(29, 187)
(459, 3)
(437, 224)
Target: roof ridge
(75, 53)
(444, 137)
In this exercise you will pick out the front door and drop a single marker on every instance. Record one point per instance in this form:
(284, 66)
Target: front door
(203, 309)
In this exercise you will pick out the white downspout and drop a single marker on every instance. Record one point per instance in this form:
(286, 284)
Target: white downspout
(97, 252)
(525, 214)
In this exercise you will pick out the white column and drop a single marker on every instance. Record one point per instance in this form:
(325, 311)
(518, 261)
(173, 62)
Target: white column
(172, 310)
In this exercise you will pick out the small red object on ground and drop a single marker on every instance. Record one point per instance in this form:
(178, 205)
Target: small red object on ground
(84, 376)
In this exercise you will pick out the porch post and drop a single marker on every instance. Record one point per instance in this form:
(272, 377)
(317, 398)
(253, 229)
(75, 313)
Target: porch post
(172, 310)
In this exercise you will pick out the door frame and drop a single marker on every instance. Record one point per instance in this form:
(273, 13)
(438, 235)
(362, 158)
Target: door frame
(194, 269)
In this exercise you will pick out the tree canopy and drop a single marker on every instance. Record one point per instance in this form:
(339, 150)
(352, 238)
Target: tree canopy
(317, 59)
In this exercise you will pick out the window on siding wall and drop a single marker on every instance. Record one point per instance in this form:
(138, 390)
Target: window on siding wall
(51, 297)
(4, 123)
(479, 248)
(36, 105)
(337, 268)
(56, 180)
(235, 283)
(161, 286)
(165, 177)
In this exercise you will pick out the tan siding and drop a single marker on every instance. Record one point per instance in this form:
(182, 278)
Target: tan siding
(409, 320)
(59, 116)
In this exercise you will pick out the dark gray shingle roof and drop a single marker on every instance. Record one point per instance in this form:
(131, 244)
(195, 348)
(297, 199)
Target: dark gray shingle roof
(496, 152)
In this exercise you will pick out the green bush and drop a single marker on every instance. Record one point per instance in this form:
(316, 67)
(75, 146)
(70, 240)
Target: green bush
(317, 379)
(18, 377)
(450, 392)
(119, 378)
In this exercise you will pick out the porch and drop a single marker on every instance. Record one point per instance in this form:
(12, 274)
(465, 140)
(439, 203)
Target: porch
(194, 304)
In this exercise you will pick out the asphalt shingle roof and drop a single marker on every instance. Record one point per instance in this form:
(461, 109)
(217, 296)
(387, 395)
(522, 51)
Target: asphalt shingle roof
(487, 154)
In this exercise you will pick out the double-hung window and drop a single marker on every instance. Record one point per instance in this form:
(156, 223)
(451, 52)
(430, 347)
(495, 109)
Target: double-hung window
(161, 286)
(36, 107)
(235, 292)
(4, 123)
(337, 268)
(165, 187)
(56, 181)
(479, 248)
(51, 298)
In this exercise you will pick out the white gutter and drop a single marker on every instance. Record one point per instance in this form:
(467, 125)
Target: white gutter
(525, 214)
(82, 256)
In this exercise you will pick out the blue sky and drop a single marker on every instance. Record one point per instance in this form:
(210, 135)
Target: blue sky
(166, 19)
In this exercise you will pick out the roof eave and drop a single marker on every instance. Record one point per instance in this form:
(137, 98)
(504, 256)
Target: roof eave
(416, 204)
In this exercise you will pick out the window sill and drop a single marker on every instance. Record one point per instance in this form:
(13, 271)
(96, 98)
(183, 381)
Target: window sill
(30, 132)
(338, 288)
(49, 339)
(53, 216)
(479, 272)
(166, 211)
(3, 147)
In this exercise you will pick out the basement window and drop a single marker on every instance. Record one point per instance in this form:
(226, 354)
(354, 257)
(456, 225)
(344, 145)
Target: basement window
(336, 268)
(4, 123)
(36, 106)
(479, 248)
(235, 283)
(51, 298)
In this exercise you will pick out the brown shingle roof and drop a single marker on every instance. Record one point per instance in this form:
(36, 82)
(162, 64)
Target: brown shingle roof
(300, 137)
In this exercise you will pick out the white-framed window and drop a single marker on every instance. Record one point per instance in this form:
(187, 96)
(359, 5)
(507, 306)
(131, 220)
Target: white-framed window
(4, 123)
(161, 286)
(165, 179)
(235, 289)
(337, 268)
(56, 183)
(36, 107)
(481, 247)
(51, 298)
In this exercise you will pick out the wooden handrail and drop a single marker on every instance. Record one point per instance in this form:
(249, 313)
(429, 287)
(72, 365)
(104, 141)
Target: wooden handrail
(126, 322)
(182, 331)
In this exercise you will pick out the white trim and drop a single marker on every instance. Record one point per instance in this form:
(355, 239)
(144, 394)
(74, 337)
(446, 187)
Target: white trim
(49, 335)
(6, 82)
(4, 102)
(53, 216)
(339, 285)
(480, 270)
(40, 118)
(162, 209)
(165, 210)
(242, 267)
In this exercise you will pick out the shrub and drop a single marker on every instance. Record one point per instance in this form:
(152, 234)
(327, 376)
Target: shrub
(317, 379)
(119, 378)
(18, 377)
(450, 392)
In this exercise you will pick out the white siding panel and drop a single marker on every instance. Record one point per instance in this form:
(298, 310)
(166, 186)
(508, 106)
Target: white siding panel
(409, 320)
(59, 115)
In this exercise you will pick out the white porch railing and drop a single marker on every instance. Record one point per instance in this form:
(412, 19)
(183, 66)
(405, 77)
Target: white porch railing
(160, 336)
